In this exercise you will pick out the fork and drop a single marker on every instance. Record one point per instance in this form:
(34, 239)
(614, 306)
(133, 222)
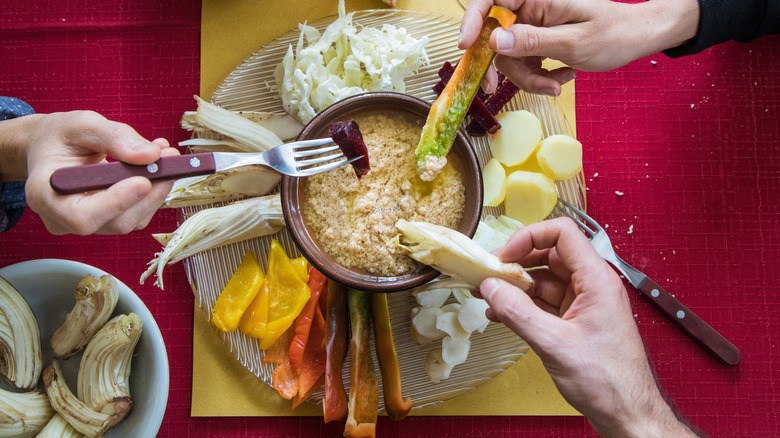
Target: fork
(689, 322)
(300, 158)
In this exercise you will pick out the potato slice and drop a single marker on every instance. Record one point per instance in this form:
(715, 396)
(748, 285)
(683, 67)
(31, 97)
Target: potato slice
(517, 140)
(560, 157)
(530, 165)
(494, 182)
(530, 196)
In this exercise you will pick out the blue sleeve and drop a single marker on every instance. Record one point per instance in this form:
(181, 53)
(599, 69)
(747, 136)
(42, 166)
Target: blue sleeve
(12, 200)
(725, 20)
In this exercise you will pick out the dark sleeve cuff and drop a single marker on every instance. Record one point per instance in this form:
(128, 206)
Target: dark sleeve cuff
(12, 203)
(12, 199)
(724, 20)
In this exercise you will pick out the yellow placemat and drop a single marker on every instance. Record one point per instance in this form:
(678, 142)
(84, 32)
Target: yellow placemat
(221, 386)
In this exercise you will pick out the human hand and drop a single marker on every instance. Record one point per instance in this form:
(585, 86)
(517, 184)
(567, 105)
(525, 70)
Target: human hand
(589, 35)
(578, 320)
(83, 137)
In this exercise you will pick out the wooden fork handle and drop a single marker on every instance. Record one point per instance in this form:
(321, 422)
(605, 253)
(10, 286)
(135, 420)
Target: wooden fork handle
(79, 179)
(689, 322)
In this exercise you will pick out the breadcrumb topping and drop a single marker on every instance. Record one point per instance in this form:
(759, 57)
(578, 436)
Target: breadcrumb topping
(354, 220)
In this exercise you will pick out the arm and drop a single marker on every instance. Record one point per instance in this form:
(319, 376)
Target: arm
(590, 35)
(724, 20)
(579, 321)
(35, 145)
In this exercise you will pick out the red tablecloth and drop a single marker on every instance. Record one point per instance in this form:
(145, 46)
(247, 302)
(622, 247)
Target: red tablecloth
(692, 144)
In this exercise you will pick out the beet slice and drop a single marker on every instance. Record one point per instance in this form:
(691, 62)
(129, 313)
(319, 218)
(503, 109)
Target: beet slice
(505, 91)
(349, 139)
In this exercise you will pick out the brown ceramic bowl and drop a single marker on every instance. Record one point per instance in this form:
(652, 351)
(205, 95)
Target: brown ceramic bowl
(292, 192)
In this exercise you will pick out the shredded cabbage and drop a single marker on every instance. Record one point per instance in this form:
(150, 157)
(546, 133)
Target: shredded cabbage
(344, 61)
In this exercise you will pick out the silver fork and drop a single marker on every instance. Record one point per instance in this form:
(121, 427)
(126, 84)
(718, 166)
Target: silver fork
(689, 322)
(300, 158)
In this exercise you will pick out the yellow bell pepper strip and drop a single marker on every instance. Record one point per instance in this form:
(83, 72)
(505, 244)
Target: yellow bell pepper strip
(287, 294)
(238, 293)
(397, 408)
(284, 294)
(317, 283)
(302, 267)
(254, 321)
(449, 110)
(334, 403)
(363, 384)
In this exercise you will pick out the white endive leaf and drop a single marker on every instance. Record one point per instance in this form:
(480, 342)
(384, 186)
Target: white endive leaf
(454, 254)
(224, 186)
(219, 226)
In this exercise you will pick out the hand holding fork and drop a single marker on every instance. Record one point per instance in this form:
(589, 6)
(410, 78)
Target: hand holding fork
(689, 322)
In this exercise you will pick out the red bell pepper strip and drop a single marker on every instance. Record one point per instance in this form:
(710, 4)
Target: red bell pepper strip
(285, 381)
(312, 371)
(303, 322)
(334, 404)
(363, 384)
(277, 353)
(397, 408)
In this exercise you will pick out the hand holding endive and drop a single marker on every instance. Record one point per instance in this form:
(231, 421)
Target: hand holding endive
(578, 319)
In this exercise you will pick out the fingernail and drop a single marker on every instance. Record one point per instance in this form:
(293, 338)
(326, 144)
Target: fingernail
(550, 92)
(569, 77)
(488, 287)
(505, 40)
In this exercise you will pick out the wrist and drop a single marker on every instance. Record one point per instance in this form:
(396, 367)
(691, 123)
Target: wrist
(645, 417)
(667, 23)
(15, 137)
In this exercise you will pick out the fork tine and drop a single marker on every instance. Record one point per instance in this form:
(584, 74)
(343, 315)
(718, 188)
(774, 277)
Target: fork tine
(319, 160)
(314, 151)
(587, 230)
(582, 214)
(324, 168)
(313, 142)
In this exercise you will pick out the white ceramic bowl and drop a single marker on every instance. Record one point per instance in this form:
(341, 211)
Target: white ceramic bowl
(48, 286)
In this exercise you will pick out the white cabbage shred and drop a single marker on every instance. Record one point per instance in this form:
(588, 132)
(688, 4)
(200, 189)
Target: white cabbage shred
(344, 61)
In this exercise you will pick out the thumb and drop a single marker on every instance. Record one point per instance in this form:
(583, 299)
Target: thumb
(515, 309)
(521, 40)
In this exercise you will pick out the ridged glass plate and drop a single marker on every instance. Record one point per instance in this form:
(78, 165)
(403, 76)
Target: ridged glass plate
(251, 87)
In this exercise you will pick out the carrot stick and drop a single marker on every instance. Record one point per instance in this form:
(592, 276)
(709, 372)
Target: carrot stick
(397, 408)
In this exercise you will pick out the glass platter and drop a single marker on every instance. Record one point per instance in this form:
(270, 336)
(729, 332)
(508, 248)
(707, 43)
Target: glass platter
(251, 87)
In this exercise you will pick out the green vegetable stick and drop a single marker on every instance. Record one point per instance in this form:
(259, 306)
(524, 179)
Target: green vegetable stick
(449, 110)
